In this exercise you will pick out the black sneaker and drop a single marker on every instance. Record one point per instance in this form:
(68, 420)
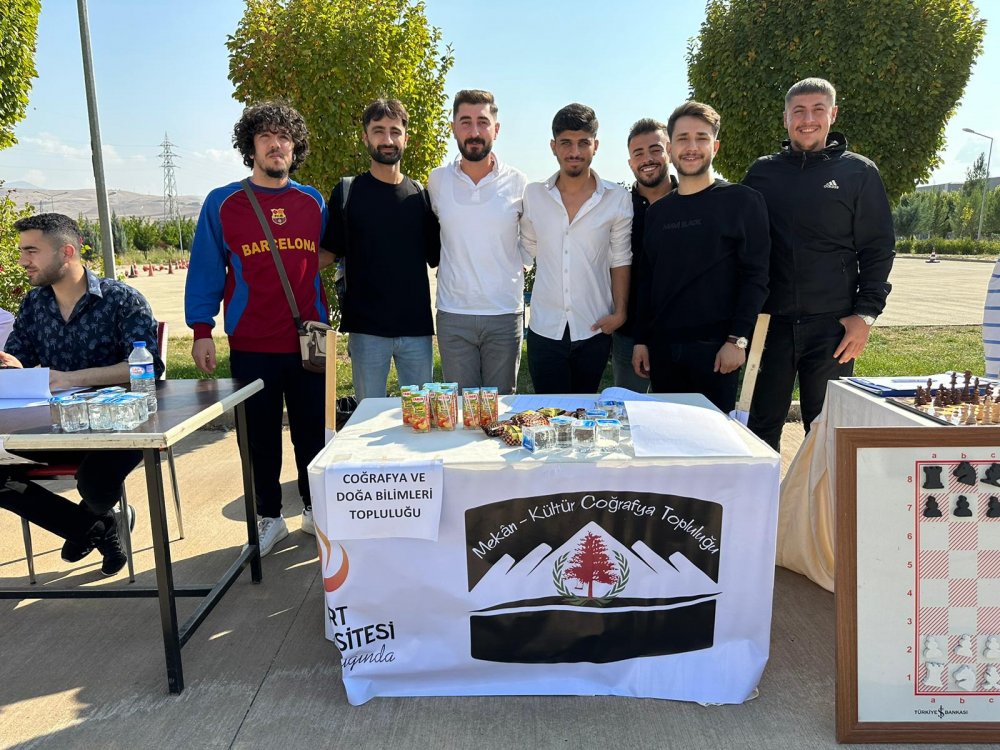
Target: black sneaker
(74, 550)
(131, 517)
(109, 545)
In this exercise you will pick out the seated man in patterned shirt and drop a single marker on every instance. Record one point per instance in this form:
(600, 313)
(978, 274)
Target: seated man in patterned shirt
(82, 328)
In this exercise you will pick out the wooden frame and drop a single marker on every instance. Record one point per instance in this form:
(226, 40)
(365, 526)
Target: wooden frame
(883, 508)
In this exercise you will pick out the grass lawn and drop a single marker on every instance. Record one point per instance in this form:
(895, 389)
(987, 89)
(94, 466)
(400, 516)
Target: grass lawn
(918, 350)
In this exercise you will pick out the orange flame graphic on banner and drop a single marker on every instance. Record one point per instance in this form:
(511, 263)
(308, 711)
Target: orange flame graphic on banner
(334, 582)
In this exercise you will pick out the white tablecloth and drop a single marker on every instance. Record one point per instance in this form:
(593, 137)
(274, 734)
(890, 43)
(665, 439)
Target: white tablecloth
(555, 575)
(806, 510)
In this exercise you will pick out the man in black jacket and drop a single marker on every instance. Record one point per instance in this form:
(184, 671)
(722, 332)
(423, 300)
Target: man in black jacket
(703, 270)
(832, 246)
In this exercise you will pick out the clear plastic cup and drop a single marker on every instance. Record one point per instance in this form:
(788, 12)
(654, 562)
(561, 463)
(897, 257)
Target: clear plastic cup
(55, 423)
(73, 415)
(584, 434)
(99, 412)
(538, 438)
(609, 435)
(562, 427)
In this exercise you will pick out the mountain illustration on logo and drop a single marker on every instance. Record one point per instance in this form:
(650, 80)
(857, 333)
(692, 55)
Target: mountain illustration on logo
(592, 598)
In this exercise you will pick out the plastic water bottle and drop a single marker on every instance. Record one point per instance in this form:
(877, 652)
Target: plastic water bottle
(141, 373)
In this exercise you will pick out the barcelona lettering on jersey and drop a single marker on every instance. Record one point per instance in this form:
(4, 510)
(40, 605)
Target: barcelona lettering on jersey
(231, 262)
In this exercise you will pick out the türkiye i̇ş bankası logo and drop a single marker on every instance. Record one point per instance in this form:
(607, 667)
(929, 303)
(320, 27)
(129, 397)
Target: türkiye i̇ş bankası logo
(592, 576)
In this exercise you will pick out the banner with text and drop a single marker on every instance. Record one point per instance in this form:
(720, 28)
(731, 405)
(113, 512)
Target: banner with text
(562, 579)
(384, 500)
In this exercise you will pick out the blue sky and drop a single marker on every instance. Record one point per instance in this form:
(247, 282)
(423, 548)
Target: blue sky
(161, 67)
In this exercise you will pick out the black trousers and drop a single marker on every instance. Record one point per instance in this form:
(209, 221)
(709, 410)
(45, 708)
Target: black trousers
(99, 479)
(687, 367)
(303, 394)
(564, 366)
(795, 348)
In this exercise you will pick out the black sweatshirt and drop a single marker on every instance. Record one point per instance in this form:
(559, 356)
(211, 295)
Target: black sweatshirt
(390, 238)
(832, 241)
(703, 268)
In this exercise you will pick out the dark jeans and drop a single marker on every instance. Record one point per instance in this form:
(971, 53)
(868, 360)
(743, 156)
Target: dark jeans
(806, 349)
(687, 367)
(303, 394)
(99, 479)
(566, 366)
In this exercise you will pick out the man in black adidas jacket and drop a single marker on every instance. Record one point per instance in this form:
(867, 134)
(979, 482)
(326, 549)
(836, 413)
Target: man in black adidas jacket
(832, 246)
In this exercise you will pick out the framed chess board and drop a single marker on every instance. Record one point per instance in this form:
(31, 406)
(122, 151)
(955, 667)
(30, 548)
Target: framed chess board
(918, 584)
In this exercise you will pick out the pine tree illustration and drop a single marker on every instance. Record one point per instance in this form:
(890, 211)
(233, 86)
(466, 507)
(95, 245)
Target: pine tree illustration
(590, 563)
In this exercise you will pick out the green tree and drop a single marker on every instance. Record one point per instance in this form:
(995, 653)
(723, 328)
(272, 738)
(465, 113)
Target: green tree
(991, 218)
(18, 31)
(900, 67)
(906, 216)
(143, 233)
(975, 176)
(330, 58)
(170, 236)
(91, 232)
(119, 237)
(13, 279)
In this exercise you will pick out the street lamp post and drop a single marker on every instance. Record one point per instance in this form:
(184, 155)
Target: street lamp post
(52, 199)
(986, 182)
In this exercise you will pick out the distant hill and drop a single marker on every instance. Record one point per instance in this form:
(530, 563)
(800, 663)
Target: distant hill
(76, 202)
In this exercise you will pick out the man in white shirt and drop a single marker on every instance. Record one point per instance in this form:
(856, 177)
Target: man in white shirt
(480, 283)
(578, 228)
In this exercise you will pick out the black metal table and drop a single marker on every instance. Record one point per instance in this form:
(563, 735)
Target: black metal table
(184, 407)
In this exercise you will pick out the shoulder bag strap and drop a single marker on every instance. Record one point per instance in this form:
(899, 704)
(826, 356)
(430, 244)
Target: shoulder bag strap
(274, 252)
(345, 194)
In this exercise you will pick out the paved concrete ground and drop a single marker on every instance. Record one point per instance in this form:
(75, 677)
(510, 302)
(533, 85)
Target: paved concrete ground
(260, 674)
(923, 294)
(89, 674)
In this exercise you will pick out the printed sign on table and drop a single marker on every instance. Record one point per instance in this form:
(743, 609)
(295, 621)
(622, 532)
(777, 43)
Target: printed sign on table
(564, 579)
(383, 500)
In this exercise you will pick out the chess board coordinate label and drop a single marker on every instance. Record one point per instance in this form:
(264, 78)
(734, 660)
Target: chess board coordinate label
(928, 584)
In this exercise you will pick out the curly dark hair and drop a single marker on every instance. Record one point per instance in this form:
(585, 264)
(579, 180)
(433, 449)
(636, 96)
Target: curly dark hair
(273, 116)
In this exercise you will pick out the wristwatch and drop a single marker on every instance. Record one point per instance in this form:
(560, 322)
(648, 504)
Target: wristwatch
(740, 342)
(869, 319)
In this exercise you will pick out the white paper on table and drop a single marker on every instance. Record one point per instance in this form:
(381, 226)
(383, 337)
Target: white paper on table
(665, 429)
(24, 383)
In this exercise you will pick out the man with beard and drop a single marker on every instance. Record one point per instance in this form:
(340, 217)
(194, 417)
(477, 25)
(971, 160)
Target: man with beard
(387, 235)
(703, 270)
(231, 262)
(576, 226)
(480, 283)
(647, 158)
(81, 328)
(832, 249)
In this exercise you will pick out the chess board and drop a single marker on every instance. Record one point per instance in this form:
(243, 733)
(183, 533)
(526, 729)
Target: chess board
(957, 558)
(918, 584)
(956, 414)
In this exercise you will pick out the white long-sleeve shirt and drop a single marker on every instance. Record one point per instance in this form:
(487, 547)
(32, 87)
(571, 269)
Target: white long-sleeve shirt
(574, 260)
(482, 270)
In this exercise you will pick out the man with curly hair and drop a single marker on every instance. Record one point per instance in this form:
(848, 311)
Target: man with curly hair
(231, 262)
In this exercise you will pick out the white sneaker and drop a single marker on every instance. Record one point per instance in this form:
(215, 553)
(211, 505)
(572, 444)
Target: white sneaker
(308, 525)
(270, 531)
